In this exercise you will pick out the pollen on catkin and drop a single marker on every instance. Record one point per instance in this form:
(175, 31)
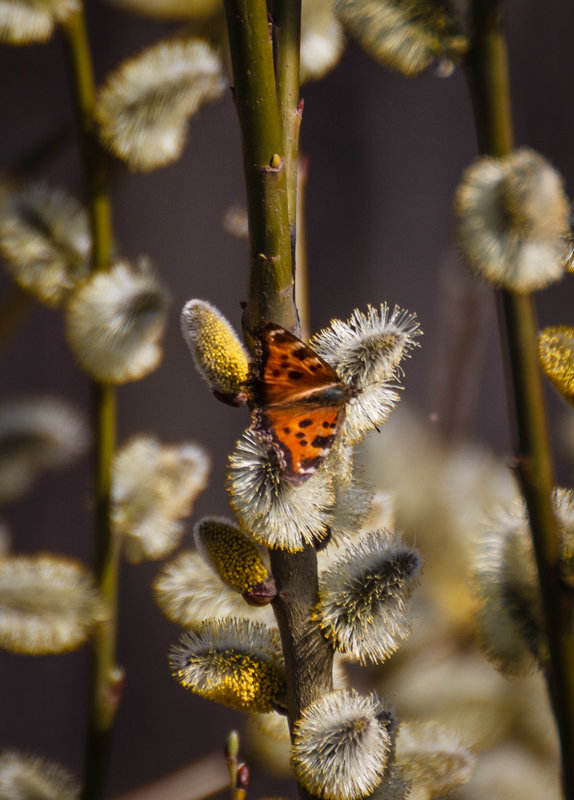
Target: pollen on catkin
(23, 22)
(48, 604)
(513, 221)
(37, 434)
(273, 511)
(115, 321)
(28, 777)
(366, 350)
(556, 355)
(45, 241)
(154, 488)
(233, 662)
(363, 596)
(341, 745)
(187, 590)
(144, 106)
(219, 356)
(236, 558)
(405, 35)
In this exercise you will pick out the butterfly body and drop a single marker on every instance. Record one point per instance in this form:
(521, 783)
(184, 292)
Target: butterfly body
(297, 401)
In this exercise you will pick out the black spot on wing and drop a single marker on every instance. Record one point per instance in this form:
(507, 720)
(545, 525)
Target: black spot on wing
(310, 465)
(304, 423)
(301, 353)
(323, 442)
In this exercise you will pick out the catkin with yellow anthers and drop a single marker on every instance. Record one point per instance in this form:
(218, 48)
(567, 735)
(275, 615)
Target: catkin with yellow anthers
(556, 354)
(363, 596)
(217, 352)
(246, 684)
(236, 558)
(187, 590)
(232, 662)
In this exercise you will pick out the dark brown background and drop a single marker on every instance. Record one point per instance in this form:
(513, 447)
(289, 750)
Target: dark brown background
(385, 156)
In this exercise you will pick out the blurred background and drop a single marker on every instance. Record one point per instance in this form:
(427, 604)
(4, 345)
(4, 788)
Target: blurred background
(385, 155)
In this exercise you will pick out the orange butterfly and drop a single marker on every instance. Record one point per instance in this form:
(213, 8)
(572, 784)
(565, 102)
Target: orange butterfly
(297, 401)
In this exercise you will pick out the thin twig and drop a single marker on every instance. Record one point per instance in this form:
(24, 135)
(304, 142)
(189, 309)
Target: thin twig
(488, 79)
(105, 682)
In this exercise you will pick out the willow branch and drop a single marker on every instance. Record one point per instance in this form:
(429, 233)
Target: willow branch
(103, 699)
(302, 267)
(288, 46)
(308, 656)
(488, 78)
(271, 270)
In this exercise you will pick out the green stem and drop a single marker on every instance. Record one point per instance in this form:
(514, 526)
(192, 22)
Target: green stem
(308, 656)
(488, 79)
(270, 294)
(288, 47)
(95, 164)
(302, 271)
(106, 684)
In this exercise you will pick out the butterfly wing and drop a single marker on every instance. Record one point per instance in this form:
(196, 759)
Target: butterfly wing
(287, 370)
(301, 436)
(297, 401)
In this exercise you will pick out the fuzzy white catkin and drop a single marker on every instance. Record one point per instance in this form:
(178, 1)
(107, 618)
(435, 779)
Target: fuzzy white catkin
(513, 221)
(115, 321)
(144, 107)
(341, 746)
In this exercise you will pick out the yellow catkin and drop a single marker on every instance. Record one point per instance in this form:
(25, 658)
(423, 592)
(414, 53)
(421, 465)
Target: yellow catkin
(235, 557)
(218, 353)
(241, 681)
(556, 354)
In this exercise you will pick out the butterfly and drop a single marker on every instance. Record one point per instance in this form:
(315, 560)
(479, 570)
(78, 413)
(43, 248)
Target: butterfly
(297, 401)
